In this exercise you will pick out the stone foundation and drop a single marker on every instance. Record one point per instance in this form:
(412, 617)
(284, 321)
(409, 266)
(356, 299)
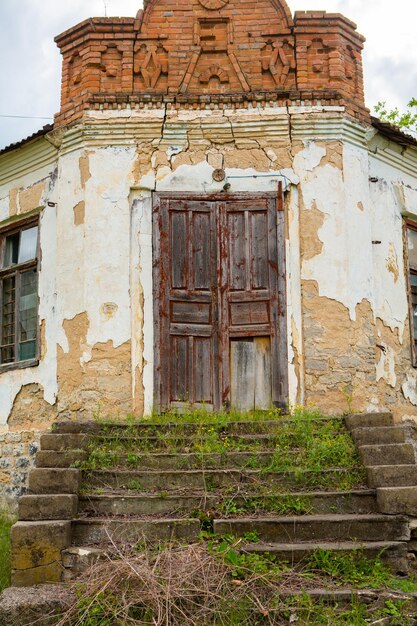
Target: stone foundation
(17, 456)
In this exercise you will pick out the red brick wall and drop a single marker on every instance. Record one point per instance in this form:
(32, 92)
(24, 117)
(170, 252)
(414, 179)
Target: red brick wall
(190, 48)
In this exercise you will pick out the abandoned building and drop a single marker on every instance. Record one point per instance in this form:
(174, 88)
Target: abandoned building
(214, 219)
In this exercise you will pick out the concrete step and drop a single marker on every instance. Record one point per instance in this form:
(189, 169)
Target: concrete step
(101, 531)
(387, 454)
(208, 480)
(392, 476)
(307, 503)
(77, 560)
(378, 435)
(366, 420)
(48, 507)
(177, 437)
(318, 528)
(393, 552)
(54, 481)
(147, 428)
(36, 551)
(173, 442)
(60, 459)
(58, 442)
(187, 443)
(370, 599)
(397, 500)
(184, 460)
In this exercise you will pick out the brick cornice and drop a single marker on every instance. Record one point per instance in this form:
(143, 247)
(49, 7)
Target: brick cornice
(311, 20)
(99, 25)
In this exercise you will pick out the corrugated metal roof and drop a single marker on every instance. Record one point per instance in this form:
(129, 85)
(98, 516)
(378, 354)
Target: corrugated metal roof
(40, 133)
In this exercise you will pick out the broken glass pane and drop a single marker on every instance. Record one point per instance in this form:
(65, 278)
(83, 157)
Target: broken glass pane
(28, 315)
(11, 253)
(28, 244)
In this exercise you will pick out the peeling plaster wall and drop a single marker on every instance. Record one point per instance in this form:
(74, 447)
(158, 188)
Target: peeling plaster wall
(93, 280)
(28, 396)
(393, 195)
(43, 377)
(347, 308)
(355, 306)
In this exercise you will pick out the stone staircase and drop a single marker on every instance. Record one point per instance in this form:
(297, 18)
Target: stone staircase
(387, 451)
(96, 485)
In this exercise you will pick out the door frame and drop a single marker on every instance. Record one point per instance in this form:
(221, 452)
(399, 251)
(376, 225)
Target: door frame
(282, 366)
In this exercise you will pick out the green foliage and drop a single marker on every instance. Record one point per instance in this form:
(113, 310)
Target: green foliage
(6, 522)
(314, 444)
(135, 485)
(405, 585)
(243, 565)
(393, 609)
(305, 611)
(206, 521)
(348, 395)
(286, 504)
(133, 460)
(97, 611)
(355, 568)
(404, 120)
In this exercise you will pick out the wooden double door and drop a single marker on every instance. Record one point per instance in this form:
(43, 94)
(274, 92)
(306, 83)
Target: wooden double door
(219, 294)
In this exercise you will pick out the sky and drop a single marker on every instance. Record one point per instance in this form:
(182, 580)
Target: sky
(30, 63)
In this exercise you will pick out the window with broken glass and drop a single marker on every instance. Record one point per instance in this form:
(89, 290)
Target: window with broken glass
(19, 296)
(412, 277)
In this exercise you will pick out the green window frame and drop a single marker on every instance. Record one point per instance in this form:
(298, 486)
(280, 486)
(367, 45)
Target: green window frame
(19, 324)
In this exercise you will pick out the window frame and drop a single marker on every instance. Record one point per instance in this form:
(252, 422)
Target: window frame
(410, 225)
(16, 270)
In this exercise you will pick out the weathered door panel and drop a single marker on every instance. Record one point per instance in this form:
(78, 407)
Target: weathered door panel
(187, 288)
(251, 299)
(220, 308)
(250, 365)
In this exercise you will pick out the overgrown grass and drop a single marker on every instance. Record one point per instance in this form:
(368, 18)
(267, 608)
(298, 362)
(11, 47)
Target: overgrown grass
(214, 584)
(355, 568)
(6, 522)
(287, 504)
(305, 439)
(305, 443)
(203, 416)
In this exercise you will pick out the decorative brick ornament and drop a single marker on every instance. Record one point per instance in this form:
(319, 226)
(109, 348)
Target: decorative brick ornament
(275, 60)
(216, 72)
(213, 4)
(151, 65)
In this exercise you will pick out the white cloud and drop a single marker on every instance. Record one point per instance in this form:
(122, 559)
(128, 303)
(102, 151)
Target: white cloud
(31, 63)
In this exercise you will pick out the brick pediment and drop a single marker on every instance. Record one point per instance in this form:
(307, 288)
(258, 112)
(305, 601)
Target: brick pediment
(214, 46)
(191, 48)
